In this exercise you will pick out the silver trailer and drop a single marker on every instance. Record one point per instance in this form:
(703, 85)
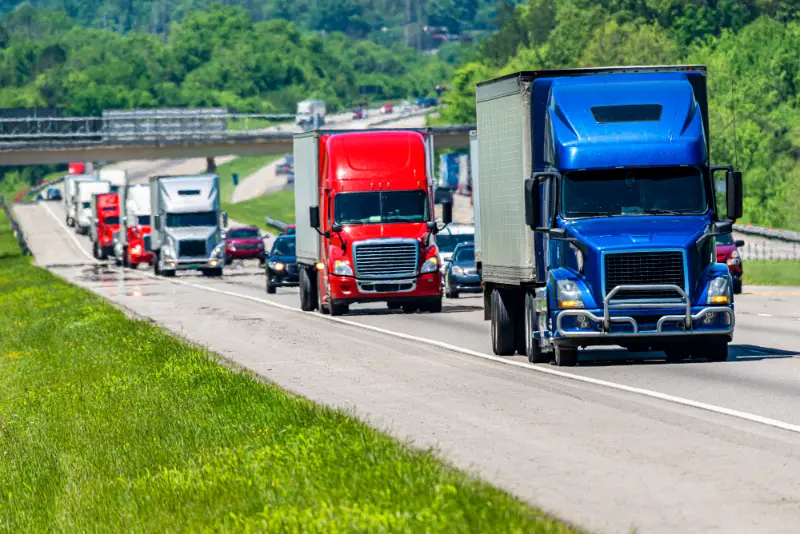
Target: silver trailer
(476, 205)
(116, 177)
(70, 191)
(187, 224)
(84, 217)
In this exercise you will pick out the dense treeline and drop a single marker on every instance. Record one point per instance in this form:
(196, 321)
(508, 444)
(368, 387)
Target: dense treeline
(750, 46)
(381, 20)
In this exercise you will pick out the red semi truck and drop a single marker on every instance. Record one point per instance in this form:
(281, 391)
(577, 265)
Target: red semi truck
(365, 220)
(105, 209)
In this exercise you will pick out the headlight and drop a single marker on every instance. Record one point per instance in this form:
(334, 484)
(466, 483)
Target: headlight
(431, 265)
(137, 249)
(734, 258)
(276, 266)
(569, 294)
(218, 251)
(719, 291)
(232, 247)
(458, 271)
(167, 253)
(342, 268)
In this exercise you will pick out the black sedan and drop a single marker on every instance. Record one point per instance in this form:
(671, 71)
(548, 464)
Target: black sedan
(460, 273)
(281, 267)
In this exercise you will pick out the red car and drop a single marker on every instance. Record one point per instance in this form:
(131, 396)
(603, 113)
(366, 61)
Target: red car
(387, 108)
(289, 230)
(244, 243)
(728, 252)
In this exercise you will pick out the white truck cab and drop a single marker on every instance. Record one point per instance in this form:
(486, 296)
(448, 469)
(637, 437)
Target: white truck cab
(83, 207)
(71, 182)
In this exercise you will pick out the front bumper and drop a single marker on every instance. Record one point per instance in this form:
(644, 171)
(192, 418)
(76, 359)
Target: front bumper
(466, 283)
(246, 254)
(195, 264)
(287, 278)
(350, 289)
(146, 257)
(646, 318)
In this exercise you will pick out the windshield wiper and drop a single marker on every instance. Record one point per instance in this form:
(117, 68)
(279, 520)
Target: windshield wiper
(402, 218)
(590, 214)
(659, 211)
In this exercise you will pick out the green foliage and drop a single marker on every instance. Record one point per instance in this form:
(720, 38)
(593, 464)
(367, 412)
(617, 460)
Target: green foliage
(772, 273)
(278, 205)
(749, 45)
(109, 424)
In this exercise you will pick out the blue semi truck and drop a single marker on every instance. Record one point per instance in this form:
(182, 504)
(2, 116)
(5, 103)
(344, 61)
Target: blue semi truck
(598, 213)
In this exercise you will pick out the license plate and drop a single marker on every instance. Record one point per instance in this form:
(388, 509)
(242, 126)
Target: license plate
(193, 267)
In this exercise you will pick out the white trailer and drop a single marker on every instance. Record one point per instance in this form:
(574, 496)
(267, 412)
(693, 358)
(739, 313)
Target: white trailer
(70, 194)
(476, 206)
(116, 177)
(187, 224)
(310, 113)
(83, 208)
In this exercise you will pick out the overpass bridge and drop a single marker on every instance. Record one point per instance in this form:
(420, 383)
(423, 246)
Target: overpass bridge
(195, 133)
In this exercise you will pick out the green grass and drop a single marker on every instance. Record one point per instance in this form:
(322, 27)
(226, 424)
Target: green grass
(772, 273)
(278, 205)
(109, 424)
(244, 167)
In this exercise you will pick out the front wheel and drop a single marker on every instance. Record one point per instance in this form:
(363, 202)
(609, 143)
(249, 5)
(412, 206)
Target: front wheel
(714, 351)
(566, 356)
(532, 348)
(737, 286)
(435, 306)
(502, 325)
(270, 288)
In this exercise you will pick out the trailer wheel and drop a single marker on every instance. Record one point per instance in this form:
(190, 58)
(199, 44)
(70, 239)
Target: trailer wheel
(532, 349)
(307, 300)
(502, 325)
(566, 356)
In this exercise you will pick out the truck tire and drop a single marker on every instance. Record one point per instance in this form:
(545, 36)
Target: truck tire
(677, 353)
(133, 266)
(714, 351)
(435, 306)
(272, 289)
(532, 349)
(450, 293)
(393, 305)
(566, 356)
(503, 341)
(338, 309)
(213, 272)
(307, 300)
(156, 269)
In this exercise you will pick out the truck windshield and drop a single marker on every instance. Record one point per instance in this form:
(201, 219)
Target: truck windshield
(143, 219)
(205, 218)
(86, 204)
(608, 193)
(111, 220)
(376, 207)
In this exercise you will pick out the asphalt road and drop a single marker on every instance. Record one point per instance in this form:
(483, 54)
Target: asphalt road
(624, 441)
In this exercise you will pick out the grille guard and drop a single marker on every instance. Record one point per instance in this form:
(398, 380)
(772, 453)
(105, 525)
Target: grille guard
(606, 320)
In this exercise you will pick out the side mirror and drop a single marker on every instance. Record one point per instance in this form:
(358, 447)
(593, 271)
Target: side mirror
(225, 219)
(723, 227)
(336, 228)
(447, 212)
(533, 201)
(432, 226)
(734, 195)
(313, 217)
(739, 243)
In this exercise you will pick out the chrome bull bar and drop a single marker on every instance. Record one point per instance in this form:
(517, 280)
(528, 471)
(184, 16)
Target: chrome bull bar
(683, 301)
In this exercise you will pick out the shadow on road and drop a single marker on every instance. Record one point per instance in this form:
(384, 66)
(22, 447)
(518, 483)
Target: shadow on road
(736, 353)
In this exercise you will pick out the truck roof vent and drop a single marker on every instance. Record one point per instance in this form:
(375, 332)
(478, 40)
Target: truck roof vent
(627, 113)
(188, 192)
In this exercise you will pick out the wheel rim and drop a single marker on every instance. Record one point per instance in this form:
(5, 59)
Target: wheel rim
(528, 326)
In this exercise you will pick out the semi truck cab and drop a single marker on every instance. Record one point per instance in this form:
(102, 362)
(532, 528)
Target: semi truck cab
(105, 208)
(84, 216)
(616, 218)
(133, 244)
(365, 220)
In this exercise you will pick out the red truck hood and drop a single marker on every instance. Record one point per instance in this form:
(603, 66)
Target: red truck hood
(724, 252)
(378, 231)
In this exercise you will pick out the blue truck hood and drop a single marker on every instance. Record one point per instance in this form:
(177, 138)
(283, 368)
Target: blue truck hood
(583, 138)
(640, 232)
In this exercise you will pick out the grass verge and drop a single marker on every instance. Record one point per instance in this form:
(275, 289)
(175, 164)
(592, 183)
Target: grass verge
(278, 205)
(244, 167)
(772, 273)
(110, 424)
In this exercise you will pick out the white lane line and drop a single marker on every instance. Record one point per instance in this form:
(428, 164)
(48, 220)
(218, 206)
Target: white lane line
(70, 234)
(746, 416)
(764, 315)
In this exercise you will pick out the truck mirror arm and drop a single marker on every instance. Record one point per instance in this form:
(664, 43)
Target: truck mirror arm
(719, 228)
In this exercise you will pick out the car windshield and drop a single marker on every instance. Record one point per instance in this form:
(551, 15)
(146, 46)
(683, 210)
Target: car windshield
(205, 218)
(283, 247)
(290, 231)
(724, 239)
(608, 193)
(143, 219)
(377, 207)
(112, 220)
(464, 255)
(447, 242)
(243, 233)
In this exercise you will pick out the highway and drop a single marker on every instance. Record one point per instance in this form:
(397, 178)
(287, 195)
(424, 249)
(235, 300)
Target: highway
(619, 443)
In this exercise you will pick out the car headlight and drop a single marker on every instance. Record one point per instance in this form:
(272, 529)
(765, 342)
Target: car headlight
(277, 265)
(232, 247)
(735, 258)
(719, 291)
(458, 271)
(342, 268)
(218, 251)
(431, 265)
(569, 294)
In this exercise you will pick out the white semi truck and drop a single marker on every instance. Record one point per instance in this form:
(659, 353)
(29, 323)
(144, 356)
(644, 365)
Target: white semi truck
(116, 177)
(83, 200)
(71, 194)
(187, 224)
(310, 113)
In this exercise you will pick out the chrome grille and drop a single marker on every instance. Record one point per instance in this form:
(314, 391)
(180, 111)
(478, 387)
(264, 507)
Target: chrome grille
(389, 258)
(192, 248)
(645, 268)
(146, 241)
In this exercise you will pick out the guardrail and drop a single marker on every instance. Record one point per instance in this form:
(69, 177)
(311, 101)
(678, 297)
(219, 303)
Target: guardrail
(15, 227)
(769, 233)
(275, 223)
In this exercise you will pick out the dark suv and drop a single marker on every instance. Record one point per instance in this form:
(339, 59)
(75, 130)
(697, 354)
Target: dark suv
(282, 264)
